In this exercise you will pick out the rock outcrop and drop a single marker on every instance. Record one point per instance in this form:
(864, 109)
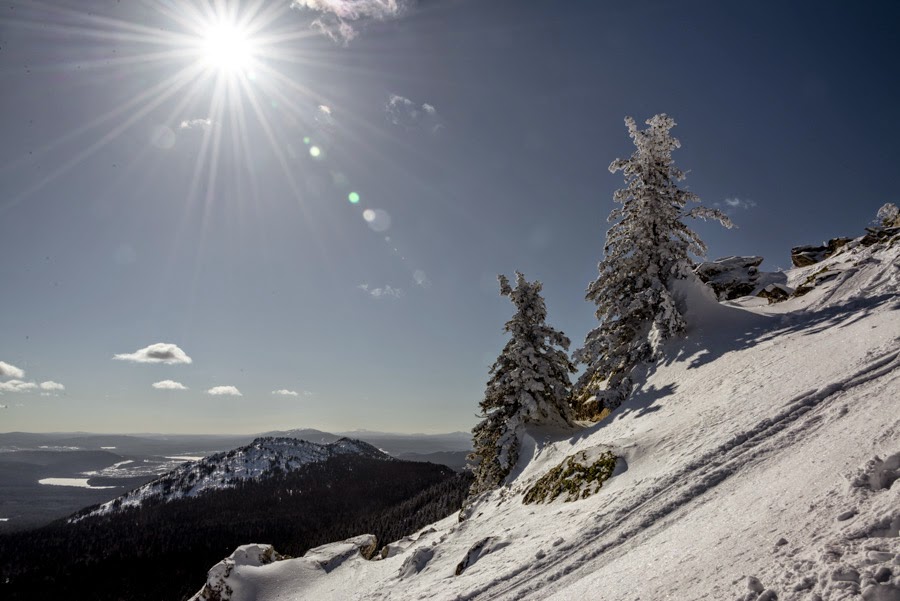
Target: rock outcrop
(218, 587)
(804, 256)
(730, 277)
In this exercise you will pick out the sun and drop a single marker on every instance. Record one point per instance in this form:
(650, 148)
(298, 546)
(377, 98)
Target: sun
(227, 48)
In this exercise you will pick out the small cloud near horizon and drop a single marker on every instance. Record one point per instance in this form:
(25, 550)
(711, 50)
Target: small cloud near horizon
(169, 385)
(17, 386)
(224, 390)
(10, 371)
(52, 386)
(161, 352)
(285, 392)
(383, 292)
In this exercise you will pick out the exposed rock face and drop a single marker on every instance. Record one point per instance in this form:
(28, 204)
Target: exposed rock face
(775, 293)
(730, 277)
(480, 549)
(334, 554)
(814, 280)
(874, 235)
(577, 477)
(803, 256)
(217, 587)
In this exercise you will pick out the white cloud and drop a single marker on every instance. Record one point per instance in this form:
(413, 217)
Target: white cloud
(4, 406)
(196, 124)
(169, 385)
(735, 203)
(286, 392)
(403, 112)
(224, 390)
(337, 15)
(421, 279)
(10, 371)
(17, 386)
(384, 292)
(52, 386)
(161, 352)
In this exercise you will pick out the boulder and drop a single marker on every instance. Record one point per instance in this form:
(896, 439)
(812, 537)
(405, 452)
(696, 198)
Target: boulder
(874, 235)
(803, 256)
(730, 277)
(217, 587)
(775, 293)
(332, 555)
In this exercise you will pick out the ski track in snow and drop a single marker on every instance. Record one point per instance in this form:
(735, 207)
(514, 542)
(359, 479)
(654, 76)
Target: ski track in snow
(685, 485)
(744, 434)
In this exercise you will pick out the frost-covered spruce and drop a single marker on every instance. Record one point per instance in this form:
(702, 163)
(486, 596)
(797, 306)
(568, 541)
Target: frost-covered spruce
(647, 247)
(529, 384)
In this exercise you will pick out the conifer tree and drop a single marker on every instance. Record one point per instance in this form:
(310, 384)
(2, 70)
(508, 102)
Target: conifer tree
(529, 384)
(647, 247)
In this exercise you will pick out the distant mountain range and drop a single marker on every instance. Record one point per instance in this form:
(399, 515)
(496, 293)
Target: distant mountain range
(191, 444)
(293, 493)
(109, 465)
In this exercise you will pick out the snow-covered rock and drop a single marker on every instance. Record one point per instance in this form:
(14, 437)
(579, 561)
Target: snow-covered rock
(762, 423)
(220, 587)
(730, 277)
(803, 256)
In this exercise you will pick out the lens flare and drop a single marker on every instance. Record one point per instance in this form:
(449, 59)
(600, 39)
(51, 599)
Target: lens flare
(353, 197)
(378, 220)
(315, 152)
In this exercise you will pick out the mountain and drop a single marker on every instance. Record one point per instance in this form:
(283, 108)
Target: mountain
(114, 464)
(158, 541)
(263, 458)
(398, 444)
(758, 460)
(452, 459)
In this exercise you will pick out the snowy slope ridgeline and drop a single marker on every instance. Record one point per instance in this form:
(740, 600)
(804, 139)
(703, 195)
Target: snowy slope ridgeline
(758, 460)
(263, 457)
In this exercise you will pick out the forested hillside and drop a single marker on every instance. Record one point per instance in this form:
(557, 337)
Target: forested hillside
(161, 550)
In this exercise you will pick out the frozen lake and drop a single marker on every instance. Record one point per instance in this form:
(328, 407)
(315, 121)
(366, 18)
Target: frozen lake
(78, 482)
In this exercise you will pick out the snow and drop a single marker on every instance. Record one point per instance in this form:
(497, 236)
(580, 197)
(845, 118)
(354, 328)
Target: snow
(77, 482)
(760, 458)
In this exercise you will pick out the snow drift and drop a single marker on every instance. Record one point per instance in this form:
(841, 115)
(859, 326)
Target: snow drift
(758, 460)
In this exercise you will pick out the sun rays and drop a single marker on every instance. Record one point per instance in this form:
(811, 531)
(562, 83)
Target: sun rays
(202, 61)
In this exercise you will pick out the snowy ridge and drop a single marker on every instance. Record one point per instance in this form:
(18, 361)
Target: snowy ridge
(263, 457)
(759, 460)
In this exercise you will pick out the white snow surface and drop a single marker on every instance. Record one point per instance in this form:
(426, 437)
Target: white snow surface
(761, 457)
(260, 458)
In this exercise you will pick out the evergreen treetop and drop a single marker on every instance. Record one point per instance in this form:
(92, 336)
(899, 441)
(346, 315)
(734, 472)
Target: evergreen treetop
(647, 247)
(529, 384)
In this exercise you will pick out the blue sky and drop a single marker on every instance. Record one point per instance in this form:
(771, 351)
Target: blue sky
(139, 208)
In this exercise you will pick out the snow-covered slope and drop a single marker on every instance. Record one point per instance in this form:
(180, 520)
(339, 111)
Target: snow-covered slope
(760, 460)
(263, 457)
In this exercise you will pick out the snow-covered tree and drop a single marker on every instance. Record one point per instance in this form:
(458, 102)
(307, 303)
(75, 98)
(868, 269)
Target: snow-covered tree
(529, 384)
(889, 215)
(647, 247)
